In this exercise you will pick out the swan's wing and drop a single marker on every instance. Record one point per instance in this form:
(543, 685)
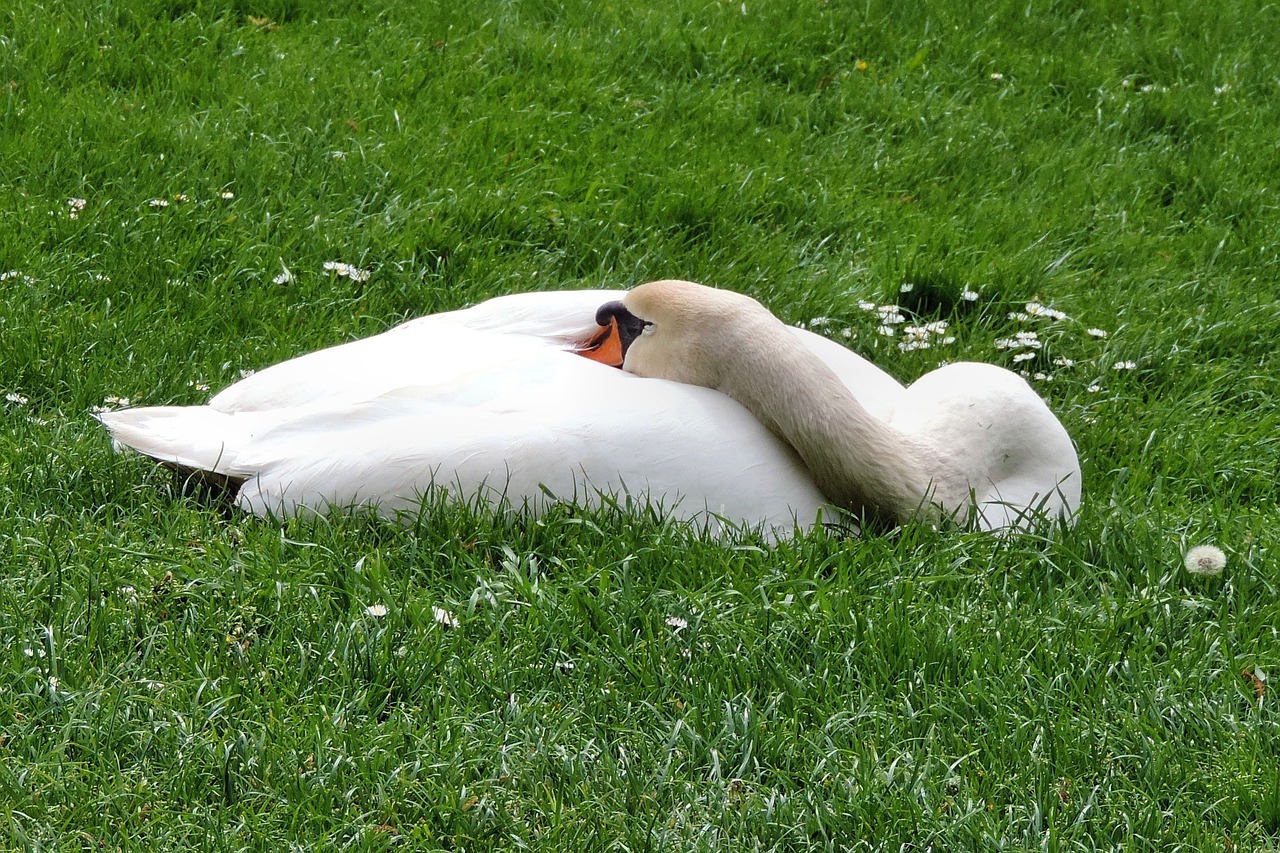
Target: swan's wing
(1017, 455)
(552, 425)
(437, 349)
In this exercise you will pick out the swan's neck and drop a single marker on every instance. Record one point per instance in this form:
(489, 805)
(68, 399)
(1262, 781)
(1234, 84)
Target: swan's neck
(859, 462)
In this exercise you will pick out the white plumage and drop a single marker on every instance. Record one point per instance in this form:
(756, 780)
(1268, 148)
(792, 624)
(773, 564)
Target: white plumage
(493, 402)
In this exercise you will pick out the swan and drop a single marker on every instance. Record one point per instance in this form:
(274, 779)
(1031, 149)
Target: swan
(496, 403)
(968, 441)
(721, 414)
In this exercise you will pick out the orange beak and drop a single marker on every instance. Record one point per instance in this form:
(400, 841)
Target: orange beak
(605, 347)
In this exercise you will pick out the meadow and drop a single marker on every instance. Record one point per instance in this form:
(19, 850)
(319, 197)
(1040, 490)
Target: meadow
(1084, 191)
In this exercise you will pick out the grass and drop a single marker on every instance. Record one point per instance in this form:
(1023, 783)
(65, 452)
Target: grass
(171, 678)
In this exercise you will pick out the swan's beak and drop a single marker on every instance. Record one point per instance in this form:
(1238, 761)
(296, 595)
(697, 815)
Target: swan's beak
(606, 346)
(619, 327)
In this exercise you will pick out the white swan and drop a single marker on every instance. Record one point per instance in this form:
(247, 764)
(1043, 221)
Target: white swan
(496, 401)
(965, 439)
(491, 401)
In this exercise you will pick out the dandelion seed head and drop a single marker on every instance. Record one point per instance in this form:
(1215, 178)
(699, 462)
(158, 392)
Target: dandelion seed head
(1207, 560)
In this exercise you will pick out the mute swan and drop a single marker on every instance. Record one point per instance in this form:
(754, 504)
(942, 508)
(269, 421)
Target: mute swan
(491, 402)
(965, 438)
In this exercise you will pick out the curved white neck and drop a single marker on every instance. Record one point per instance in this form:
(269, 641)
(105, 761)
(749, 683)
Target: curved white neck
(859, 462)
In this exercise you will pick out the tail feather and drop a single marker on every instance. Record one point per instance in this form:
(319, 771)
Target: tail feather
(188, 438)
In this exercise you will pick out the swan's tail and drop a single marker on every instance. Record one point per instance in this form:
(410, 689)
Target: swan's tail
(195, 438)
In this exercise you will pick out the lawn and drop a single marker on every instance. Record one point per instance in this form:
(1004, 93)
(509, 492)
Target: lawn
(1086, 192)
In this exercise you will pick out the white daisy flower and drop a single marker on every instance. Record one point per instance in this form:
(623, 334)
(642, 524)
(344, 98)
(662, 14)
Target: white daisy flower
(444, 617)
(377, 611)
(1035, 309)
(1097, 333)
(677, 623)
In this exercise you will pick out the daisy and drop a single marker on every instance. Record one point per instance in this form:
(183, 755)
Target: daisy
(444, 617)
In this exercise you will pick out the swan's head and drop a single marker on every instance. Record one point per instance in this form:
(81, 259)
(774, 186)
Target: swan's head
(676, 330)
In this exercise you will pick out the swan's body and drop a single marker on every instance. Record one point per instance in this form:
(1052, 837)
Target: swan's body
(490, 402)
(494, 402)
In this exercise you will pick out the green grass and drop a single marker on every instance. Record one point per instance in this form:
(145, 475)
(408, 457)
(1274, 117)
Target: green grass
(171, 678)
